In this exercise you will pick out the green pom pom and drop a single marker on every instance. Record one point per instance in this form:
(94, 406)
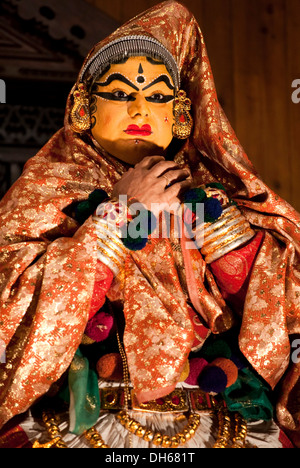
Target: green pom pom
(83, 211)
(86, 207)
(97, 197)
(135, 234)
(196, 195)
(216, 185)
(219, 348)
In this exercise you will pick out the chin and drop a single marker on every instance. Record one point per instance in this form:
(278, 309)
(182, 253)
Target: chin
(136, 150)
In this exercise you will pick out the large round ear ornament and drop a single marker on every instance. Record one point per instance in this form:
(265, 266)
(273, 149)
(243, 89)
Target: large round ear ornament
(80, 113)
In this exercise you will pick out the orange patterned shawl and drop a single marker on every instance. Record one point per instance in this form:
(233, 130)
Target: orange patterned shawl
(47, 284)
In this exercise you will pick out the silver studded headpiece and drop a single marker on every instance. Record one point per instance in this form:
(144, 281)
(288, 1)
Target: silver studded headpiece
(129, 46)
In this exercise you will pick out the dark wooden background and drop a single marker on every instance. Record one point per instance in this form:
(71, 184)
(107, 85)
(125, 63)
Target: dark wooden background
(253, 45)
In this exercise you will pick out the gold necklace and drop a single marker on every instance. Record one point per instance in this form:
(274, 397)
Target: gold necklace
(232, 426)
(157, 438)
(227, 436)
(94, 438)
(51, 423)
(232, 430)
(135, 428)
(126, 383)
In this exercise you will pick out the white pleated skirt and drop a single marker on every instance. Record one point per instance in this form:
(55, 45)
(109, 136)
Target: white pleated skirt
(261, 434)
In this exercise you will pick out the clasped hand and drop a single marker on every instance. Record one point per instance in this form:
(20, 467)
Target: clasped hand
(154, 181)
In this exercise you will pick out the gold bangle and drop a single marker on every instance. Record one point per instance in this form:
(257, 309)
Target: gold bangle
(112, 254)
(229, 247)
(226, 234)
(119, 254)
(104, 259)
(229, 244)
(229, 212)
(226, 238)
(106, 255)
(230, 225)
(222, 236)
(108, 234)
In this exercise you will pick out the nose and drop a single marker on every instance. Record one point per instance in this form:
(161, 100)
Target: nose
(138, 106)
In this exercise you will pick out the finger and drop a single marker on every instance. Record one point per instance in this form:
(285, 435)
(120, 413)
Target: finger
(175, 175)
(177, 188)
(149, 161)
(163, 166)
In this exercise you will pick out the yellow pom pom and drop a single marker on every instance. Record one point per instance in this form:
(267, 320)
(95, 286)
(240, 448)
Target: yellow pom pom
(185, 372)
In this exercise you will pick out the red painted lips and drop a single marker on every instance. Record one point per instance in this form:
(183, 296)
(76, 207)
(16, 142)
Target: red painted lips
(144, 130)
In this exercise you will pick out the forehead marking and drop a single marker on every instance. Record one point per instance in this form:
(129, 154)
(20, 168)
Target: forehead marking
(140, 79)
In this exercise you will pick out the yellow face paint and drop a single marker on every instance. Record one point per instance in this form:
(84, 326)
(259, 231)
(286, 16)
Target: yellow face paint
(132, 109)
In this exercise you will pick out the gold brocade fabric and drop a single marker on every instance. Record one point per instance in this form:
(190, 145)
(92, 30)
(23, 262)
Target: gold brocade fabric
(47, 282)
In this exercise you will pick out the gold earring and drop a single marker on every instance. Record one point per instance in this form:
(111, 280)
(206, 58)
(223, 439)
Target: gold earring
(80, 113)
(183, 120)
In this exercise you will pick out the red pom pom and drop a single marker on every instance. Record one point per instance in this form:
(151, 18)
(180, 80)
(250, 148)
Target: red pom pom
(100, 326)
(196, 367)
(109, 367)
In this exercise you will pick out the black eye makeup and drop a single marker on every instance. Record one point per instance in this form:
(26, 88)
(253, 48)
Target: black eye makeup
(120, 96)
(159, 98)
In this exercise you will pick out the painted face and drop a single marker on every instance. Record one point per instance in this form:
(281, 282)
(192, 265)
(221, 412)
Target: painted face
(132, 109)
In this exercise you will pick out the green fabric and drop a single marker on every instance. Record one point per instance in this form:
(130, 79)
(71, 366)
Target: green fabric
(84, 395)
(249, 396)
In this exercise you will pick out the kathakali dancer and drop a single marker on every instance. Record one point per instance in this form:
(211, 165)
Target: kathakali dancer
(149, 278)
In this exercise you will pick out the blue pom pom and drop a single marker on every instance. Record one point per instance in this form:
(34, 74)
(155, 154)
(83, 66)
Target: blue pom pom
(212, 210)
(134, 244)
(193, 197)
(212, 379)
(139, 226)
(239, 361)
(145, 222)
